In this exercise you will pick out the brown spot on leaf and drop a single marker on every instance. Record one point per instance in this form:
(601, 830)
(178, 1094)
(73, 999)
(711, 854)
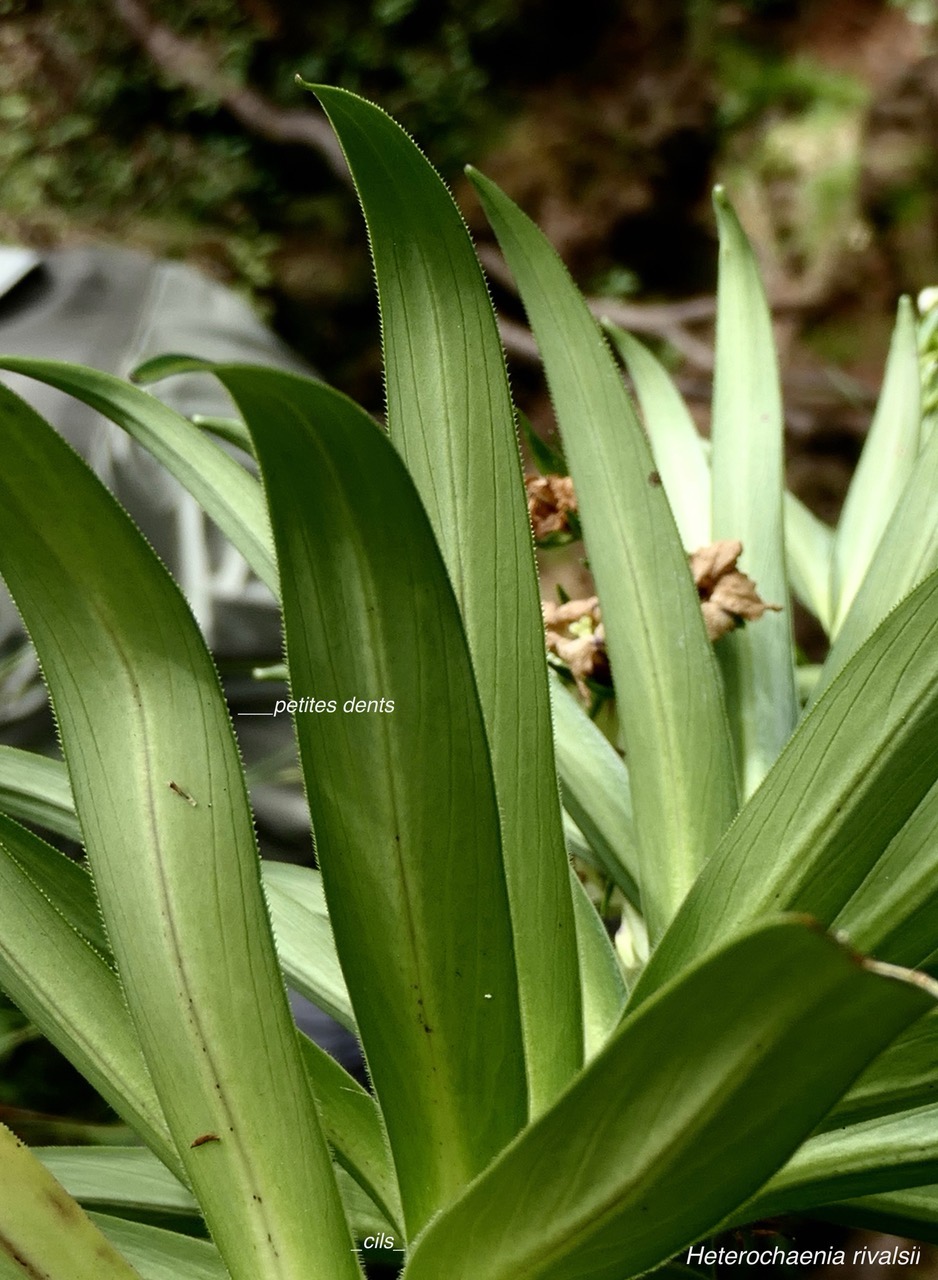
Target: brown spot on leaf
(205, 1137)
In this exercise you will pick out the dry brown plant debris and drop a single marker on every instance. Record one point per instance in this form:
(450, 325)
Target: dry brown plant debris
(550, 501)
(728, 597)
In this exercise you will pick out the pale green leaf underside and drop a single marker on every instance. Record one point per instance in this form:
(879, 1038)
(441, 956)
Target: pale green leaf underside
(128, 670)
(35, 789)
(905, 554)
(872, 1156)
(130, 1180)
(595, 787)
(603, 986)
(667, 684)
(912, 1212)
(894, 912)
(747, 467)
(885, 467)
(70, 991)
(679, 453)
(855, 770)
(161, 1255)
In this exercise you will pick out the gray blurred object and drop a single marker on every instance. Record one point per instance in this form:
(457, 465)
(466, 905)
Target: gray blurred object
(112, 309)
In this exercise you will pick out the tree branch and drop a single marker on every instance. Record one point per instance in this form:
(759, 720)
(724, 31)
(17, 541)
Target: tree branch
(190, 64)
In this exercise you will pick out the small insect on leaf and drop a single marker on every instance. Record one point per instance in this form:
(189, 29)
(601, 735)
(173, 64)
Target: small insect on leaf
(174, 786)
(206, 1137)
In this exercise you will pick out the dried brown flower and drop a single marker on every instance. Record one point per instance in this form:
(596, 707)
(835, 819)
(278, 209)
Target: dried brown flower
(550, 501)
(727, 595)
(575, 634)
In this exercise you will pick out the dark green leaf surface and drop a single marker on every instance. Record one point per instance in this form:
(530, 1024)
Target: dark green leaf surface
(666, 1129)
(451, 418)
(667, 684)
(403, 808)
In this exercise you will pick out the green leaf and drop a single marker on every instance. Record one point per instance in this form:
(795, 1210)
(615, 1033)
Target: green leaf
(62, 882)
(305, 945)
(127, 1178)
(683, 459)
(47, 900)
(404, 810)
(159, 1254)
(128, 671)
(886, 464)
(451, 418)
(748, 481)
(872, 1156)
(667, 684)
(548, 460)
(227, 492)
(911, 1213)
(809, 545)
(230, 429)
(906, 553)
(894, 912)
(131, 1181)
(35, 789)
(603, 986)
(679, 451)
(353, 1126)
(595, 788)
(902, 1077)
(43, 1232)
(650, 1148)
(851, 776)
(66, 987)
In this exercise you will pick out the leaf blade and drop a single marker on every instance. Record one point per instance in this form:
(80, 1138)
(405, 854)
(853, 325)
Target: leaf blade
(128, 671)
(851, 776)
(404, 812)
(451, 418)
(885, 467)
(667, 683)
(43, 1232)
(748, 482)
(611, 1181)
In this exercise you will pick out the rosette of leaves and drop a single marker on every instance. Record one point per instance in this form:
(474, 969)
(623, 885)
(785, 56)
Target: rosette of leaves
(528, 1116)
